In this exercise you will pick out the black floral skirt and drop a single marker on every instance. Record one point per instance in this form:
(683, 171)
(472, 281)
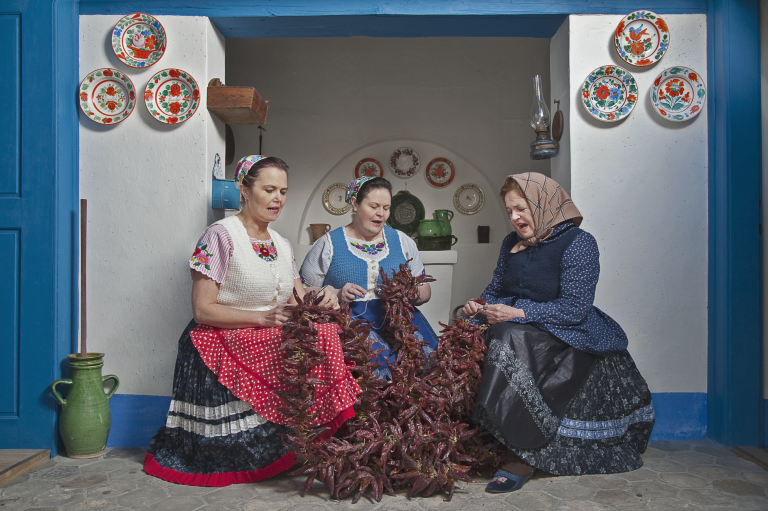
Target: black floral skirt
(211, 438)
(560, 409)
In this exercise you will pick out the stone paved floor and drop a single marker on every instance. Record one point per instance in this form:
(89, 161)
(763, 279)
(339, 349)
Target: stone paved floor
(676, 475)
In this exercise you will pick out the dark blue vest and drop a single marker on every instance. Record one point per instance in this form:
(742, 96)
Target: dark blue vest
(534, 273)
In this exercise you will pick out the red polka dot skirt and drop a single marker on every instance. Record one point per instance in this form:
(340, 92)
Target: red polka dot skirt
(248, 362)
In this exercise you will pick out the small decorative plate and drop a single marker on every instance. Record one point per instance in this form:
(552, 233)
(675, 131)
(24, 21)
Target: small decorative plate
(333, 199)
(369, 167)
(641, 38)
(678, 93)
(440, 172)
(404, 162)
(609, 93)
(406, 212)
(172, 96)
(468, 199)
(107, 96)
(138, 40)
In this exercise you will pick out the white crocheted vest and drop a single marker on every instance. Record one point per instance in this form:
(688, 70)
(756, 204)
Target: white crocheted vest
(251, 283)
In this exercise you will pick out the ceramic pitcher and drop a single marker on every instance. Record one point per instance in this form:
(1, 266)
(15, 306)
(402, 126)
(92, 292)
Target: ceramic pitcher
(444, 216)
(429, 228)
(85, 418)
(319, 230)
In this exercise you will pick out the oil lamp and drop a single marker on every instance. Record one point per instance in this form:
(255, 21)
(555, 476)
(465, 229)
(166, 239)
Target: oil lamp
(543, 147)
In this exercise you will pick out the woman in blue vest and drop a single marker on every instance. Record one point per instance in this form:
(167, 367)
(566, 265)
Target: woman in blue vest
(559, 388)
(349, 258)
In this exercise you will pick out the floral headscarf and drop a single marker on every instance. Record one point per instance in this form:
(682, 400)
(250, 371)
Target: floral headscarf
(244, 165)
(354, 187)
(550, 206)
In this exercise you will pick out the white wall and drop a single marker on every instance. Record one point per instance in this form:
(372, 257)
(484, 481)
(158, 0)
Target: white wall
(641, 185)
(334, 101)
(148, 190)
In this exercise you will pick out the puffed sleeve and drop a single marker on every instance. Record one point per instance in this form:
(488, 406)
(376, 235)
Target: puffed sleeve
(211, 256)
(293, 258)
(410, 251)
(493, 294)
(316, 264)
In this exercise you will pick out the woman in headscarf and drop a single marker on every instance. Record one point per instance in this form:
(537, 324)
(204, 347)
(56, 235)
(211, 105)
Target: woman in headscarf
(559, 388)
(348, 259)
(224, 422)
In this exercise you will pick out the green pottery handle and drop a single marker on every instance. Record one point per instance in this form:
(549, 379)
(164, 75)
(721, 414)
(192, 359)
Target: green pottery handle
(117, 383)
(56, 394)
(455, 240)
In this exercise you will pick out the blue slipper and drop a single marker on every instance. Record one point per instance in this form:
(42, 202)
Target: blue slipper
(504, 482)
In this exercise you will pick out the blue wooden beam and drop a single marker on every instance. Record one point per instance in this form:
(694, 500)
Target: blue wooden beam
(735, 179)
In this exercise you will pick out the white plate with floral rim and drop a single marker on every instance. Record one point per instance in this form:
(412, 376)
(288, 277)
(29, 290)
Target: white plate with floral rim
(369, 167)
(468, 199)
(678, 94)
(440, 172)
(172, 96)
(138, 40)
(333, 199)
(404, 162)
(641, 38)
(609, 93)
(107, 96)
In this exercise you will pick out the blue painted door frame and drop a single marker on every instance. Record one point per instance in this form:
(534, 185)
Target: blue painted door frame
(735, 370)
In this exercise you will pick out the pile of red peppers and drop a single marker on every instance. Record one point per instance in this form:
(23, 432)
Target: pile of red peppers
(411, 432)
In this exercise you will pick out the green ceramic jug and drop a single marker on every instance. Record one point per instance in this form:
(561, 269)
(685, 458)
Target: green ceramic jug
(429, 228)
(444, 216)
(85, 418)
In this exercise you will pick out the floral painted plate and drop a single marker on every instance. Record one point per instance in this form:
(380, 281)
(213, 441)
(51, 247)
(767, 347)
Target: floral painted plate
(404, 162)
(333, 199)
(440, 172)
(172, 96)
(609, 93)
(138, 40)
(678, 93)
(369, 167)
(641, 38)
(406, 212)
(107, 96)
(468, 199)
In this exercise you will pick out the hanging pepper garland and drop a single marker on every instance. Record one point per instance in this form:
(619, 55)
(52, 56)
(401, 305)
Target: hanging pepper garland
(410, 432)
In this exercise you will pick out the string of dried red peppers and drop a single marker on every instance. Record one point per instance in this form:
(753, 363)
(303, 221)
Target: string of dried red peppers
(410, 432)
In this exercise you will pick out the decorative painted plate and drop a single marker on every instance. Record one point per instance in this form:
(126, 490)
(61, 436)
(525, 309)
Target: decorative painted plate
(333, 199)
(468, 199)
(369, 167)
(641, 38)
(678, 93)
(138, 40)
(406, 212)
(172, 96)
(609, 93)
(440, 172)
(404, 162)
(107, 96)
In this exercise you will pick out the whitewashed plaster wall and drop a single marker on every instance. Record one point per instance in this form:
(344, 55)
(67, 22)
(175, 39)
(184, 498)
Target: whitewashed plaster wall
(336, 100)
(641, 185)
(764, 109)
(149, 193)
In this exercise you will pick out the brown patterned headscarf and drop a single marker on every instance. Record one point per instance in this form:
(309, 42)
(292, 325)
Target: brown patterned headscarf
(550, 206)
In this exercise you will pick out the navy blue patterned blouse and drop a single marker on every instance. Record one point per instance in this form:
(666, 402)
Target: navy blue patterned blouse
(572, 317)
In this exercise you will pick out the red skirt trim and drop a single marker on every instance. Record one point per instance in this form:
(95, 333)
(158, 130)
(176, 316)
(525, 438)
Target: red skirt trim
(218, 479)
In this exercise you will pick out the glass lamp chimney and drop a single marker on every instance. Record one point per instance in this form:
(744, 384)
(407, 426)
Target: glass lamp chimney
(543, 147)
(539, 110)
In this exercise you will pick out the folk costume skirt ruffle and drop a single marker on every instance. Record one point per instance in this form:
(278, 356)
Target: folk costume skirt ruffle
(217, 432)
(560, 409)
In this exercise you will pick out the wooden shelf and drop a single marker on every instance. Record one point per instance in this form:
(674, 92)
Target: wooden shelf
(236, 105)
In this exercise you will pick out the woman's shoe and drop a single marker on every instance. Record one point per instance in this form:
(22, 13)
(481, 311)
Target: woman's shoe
(504, 482)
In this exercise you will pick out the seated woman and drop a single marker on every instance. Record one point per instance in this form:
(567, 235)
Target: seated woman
(559, 388)
(349, 258)
(224, 421)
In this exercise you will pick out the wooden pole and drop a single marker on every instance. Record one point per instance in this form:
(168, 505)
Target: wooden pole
(83, 244)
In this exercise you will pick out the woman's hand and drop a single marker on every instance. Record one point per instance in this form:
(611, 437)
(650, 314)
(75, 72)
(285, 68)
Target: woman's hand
(498, 313)
(350, 291)
(275, 317)
(472, 308)
(330, 298)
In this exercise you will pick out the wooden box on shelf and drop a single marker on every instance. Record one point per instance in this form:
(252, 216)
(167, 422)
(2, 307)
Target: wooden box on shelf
(236, 105)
